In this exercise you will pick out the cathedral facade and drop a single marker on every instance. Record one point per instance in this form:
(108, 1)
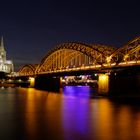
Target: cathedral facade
(5, 65)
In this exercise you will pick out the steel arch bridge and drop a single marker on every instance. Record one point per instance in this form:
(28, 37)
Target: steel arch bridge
(28, 70)
(129, 52)
(78, 56)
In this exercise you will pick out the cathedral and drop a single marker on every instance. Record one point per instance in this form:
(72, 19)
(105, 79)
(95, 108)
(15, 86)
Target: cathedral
(6, 66)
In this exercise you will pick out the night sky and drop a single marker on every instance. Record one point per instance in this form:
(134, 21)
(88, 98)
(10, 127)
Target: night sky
(31, 28)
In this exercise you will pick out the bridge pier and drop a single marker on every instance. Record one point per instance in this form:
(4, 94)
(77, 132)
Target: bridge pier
(32, 82)
(122, 83)
(103, 84)
(48, 83)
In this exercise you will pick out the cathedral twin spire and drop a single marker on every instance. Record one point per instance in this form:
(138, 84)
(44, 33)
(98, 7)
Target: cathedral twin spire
(2, 44)
(5, 65)
(2, 51)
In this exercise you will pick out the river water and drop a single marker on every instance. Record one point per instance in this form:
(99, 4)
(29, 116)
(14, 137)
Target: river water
(73, 114)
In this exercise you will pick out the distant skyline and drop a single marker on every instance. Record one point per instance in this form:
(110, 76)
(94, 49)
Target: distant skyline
(30, 28)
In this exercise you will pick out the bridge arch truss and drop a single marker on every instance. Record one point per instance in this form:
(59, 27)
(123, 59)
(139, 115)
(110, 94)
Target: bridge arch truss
(27, 70)
(74, 55)
(129, 52)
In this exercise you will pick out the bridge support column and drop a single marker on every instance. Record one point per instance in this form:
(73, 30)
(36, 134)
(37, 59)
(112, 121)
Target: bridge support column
(47, 83)
(123, 83)
(32, 81)
(103, 84)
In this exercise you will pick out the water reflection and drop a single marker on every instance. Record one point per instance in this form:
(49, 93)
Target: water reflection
(72, 115)
(77, 91)
(74, 118)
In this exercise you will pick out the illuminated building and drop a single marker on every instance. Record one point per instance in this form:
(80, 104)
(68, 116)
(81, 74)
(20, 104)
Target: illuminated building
(5, 65)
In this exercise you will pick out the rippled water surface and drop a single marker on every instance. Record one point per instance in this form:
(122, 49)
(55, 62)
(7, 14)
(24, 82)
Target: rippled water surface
(73, 114)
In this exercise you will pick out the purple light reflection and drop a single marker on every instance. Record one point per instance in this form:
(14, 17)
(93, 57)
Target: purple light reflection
(75, 112)
(74, 91)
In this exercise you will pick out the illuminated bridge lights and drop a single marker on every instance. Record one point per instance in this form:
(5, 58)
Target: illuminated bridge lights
(79, 80)
(126, 57)
(108, 59)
